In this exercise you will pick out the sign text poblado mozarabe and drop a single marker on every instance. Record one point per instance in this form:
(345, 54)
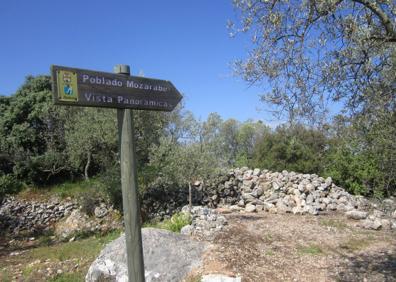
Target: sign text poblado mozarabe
(79, 87)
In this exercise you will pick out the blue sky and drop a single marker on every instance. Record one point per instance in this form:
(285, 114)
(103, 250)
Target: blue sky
(185, 42)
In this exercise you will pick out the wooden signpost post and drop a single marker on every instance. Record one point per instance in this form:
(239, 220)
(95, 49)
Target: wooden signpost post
(78, 87)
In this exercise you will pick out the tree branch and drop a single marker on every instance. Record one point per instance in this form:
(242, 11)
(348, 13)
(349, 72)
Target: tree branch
(383, 17)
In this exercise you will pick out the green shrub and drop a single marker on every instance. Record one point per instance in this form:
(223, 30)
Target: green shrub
(176, 222)
(111, 186)
(293, 148)
(8, 185)
(358, 173)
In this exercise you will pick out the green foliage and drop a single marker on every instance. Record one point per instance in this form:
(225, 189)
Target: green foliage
(361, 153)
(174, 224)
(43, 144)
(111, 186)
(357, 173)
(296, 50)
(31, 130)
(8, 185)
(91, 139)
(177, 222)
(293, 148)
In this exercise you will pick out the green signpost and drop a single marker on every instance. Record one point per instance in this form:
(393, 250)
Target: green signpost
(78, 87)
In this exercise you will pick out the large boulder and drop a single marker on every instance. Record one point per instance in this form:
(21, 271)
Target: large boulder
(167, 257)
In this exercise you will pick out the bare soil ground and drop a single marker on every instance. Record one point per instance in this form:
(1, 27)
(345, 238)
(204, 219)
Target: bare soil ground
(286, 247)
(257, 247)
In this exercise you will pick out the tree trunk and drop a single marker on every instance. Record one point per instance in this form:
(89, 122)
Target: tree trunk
(87, 166)
(189, 195)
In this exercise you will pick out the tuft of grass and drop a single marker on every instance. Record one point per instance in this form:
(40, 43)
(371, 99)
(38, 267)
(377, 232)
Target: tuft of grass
(354, 244)
(174, 224)
(310, 250)
(68, 277)
(269, 253)
(268, 238)
(338, 224)
(5, 275)
(177, 222)
(26, 272)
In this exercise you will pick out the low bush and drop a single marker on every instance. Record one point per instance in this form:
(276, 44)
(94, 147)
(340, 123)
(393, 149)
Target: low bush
(8, 185)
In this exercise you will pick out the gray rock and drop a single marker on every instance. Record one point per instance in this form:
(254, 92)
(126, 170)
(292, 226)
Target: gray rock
(167, 257)
(187, 230)
(385, 223)
(259, 191)
(371, 224)
(100, 211)
(256, 172)
(355, 214)
(250, 208)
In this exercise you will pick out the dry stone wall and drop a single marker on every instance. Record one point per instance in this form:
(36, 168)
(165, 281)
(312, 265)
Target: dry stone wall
(30, 217)
(240, 189)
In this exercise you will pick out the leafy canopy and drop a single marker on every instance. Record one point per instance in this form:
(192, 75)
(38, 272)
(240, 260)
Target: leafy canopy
(318, 51)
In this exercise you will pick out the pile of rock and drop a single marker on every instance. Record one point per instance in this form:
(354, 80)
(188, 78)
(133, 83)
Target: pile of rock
(290, 192)
(205, 223)
(263, 190)
(29, 217)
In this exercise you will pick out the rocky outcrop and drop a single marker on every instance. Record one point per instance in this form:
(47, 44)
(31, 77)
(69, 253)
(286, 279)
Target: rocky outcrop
(79, 224)
(167, 257)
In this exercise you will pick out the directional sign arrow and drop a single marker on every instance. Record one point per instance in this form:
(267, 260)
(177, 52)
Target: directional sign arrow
(87, 88)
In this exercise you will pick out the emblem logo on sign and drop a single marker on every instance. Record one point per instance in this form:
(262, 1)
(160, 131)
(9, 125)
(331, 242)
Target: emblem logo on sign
(67, 84)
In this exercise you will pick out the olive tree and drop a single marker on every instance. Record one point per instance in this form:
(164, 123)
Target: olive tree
(314, 52)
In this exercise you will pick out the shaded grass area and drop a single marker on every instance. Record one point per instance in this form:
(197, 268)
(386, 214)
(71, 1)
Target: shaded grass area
(34, 262)
(356, 244)
(378, 266)
(68, 277)
(85, 248)
(64, 190)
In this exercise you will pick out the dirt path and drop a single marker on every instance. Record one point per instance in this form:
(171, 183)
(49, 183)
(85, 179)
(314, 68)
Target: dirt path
(274, 247)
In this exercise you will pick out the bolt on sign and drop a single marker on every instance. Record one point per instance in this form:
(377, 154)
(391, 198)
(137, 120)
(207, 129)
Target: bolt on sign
(79, 87)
